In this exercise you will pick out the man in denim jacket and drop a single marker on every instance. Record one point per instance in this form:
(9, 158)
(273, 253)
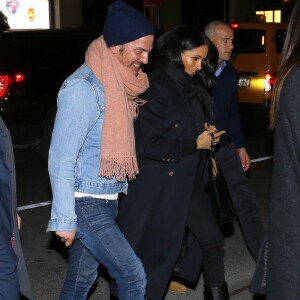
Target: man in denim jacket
(92, 153)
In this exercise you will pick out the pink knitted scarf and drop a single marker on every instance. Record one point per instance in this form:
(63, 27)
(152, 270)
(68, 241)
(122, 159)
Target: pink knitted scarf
(121, 87)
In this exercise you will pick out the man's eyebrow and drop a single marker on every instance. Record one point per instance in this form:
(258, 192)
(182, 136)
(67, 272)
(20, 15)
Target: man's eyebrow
(142, 49)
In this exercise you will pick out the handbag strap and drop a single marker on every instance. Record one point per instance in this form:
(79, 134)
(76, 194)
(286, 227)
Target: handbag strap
(214, 164)
(213, 142)
(213, 158)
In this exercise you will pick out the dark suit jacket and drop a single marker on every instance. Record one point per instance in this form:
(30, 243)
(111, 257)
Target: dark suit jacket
(227, 112)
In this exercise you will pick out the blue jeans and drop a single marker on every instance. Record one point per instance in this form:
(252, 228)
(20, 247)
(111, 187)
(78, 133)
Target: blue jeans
(99, 240)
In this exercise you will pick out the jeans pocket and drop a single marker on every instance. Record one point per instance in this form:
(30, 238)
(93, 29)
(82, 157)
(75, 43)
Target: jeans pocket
(95, 215)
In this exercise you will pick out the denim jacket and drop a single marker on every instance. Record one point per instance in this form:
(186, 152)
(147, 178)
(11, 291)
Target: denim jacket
(74, 155)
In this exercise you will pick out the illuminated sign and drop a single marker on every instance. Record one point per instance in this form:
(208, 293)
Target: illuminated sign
(26, 14)
(152, 3)
(269, 16)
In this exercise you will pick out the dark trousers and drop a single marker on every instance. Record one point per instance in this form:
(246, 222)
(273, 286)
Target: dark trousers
(9, 282)
(243, 198)
(206, 250)
(201, 222)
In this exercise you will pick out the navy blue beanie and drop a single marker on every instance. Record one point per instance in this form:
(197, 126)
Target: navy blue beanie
(125, 24)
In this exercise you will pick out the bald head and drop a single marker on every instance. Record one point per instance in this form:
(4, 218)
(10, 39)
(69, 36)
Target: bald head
(222, 37)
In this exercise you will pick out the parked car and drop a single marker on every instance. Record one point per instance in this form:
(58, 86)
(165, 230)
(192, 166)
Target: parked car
(257, 48)
(33, 66)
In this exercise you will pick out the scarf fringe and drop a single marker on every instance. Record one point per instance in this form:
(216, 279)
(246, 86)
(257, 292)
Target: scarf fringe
(135, 107)
(119, 167)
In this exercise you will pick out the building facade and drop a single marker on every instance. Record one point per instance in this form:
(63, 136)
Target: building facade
(92, 13)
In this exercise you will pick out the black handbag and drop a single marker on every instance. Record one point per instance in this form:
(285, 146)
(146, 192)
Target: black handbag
(219, 193)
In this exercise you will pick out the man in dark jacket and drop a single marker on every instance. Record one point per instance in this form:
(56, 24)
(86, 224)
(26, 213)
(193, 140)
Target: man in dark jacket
(232, 154)
(13, 272)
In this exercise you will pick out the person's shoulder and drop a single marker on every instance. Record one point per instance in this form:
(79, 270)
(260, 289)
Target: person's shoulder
(291, 81)
(228, 75)
(229, 68)
(82, 72)
(159, 78)
(159, 84)
(295, 73)
(83, 78)
(158, 73)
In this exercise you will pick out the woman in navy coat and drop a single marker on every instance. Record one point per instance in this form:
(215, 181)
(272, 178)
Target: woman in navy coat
(171, 138)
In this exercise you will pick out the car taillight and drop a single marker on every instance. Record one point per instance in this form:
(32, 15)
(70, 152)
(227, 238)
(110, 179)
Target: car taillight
(3, 85)
(19, 77)
(269, 82)
(6, 80)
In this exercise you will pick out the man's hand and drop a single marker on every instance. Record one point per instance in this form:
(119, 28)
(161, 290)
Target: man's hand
(66, 237)
(245, 159)
(19, 222)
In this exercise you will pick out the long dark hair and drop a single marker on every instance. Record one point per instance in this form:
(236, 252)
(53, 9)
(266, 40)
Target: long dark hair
(290, 57)
(174, 42)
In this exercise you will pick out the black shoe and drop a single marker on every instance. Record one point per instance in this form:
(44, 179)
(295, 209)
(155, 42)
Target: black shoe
(216, 293)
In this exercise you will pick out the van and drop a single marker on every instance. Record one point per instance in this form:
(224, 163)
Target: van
(257, 49)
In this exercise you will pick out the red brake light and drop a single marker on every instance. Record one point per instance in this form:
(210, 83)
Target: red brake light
(19, 77)
(3, 84)
(6, 80)
(269, 82)
(234, 25)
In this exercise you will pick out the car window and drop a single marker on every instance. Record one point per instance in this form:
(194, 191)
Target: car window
(249, 40)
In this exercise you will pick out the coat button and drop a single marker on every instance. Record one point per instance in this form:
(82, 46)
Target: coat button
(172, 160)
(168, 159)
(176, 125)
(163, 159)
(171, 173)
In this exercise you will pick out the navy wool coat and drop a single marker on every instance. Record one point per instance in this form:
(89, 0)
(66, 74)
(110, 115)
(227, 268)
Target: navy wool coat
(153, 214)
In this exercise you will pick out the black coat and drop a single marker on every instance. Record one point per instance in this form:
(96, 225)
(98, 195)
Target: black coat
(153, 215)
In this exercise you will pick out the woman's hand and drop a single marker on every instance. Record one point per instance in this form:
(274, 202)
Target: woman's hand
(204, 140)
(210, 127)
